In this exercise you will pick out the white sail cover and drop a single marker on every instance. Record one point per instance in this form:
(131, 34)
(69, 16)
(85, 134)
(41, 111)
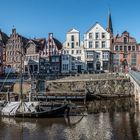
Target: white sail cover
(22, 107)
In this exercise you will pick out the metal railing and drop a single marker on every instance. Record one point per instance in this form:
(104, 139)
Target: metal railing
(135, 75)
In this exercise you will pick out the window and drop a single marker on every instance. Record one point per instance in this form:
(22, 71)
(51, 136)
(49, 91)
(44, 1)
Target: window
(67, 57)
(72, 45)
(103, 35)
(72, 51)
(68, 44)
(36, 68)
(90, 55)
(125, 40)
(116, 60)
(105, 65)
(90, 44)
(79, 58)
(67, 52)
(120, 48)
(133, 48)
(116, 48)
(65, 66)
(53, 59)
(97, 35)
(77, 43)
(57, 59)
(78, 51)
(64, 52)
(73, 58)
(129, 48)
(73, 66)
(90, 35)
(116, 56)
(72, 38)
(133, 59)
(63, 57)
(105, 55)
(98, 55)
(125, 48)
(96, 44)
(103, 44)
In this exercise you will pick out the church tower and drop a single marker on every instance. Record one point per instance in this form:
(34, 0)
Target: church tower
(109, 24)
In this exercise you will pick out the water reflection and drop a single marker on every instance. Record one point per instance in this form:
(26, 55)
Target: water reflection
(118, 122)
(102, 126)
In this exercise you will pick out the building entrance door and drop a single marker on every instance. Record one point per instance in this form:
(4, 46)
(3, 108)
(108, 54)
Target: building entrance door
(79, 68)
(98, 65)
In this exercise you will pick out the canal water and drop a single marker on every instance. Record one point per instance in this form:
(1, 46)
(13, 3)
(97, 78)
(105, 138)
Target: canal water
(105, 124)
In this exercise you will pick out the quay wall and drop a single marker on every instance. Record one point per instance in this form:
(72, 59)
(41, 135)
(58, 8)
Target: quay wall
(95, 87)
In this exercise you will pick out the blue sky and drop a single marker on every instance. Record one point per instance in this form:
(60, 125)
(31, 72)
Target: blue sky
(36, 18)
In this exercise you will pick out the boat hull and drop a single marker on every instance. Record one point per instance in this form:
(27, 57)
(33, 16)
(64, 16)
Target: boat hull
(58, 112)
(55, 112)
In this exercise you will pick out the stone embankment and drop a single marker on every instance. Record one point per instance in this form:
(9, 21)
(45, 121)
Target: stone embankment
(94, 86)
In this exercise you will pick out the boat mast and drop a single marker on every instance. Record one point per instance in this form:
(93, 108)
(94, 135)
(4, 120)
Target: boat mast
(21, 77)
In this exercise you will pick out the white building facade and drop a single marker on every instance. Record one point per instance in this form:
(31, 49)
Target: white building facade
(73, 54)
(97, 48)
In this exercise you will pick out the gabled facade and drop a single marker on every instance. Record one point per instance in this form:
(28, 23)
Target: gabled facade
(15, 44)
(73, 50)
(97, 48)
(53, 51)
(125, 52)
(33, 58)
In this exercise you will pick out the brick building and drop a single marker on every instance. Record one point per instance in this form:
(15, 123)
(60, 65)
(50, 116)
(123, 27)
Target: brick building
(3, 40)
(14, 45)
(125, 52)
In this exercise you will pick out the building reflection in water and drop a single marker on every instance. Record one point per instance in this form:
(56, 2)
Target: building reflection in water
(101, 126)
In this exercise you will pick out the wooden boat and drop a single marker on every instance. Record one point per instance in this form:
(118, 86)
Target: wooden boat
(34, 110)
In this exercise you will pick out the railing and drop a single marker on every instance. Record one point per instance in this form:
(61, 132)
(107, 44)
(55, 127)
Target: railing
(136, 76)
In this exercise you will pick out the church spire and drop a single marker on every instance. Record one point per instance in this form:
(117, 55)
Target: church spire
(109, 26)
